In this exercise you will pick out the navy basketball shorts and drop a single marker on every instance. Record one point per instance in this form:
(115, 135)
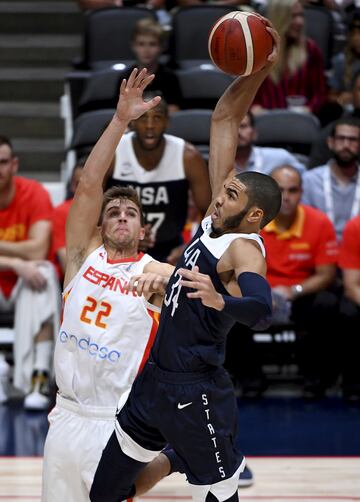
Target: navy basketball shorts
(196, 413)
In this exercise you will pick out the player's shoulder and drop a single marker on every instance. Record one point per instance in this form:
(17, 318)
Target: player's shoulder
(247, 243)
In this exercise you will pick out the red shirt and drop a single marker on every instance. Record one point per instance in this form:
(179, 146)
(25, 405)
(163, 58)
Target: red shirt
(350, 246)
(308, 80)
(292, 256)
(60, 215)
(31, 203)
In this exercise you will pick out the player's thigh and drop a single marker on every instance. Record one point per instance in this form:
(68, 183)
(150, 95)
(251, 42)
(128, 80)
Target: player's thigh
(202, 429)
(72, 451)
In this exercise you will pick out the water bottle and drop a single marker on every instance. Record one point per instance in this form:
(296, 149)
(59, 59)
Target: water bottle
(4, 378)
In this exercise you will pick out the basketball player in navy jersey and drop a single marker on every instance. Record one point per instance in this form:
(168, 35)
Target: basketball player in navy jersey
(183, 396)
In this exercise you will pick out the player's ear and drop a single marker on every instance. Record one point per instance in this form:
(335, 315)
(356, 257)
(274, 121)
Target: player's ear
(142, 233)
(255, 215)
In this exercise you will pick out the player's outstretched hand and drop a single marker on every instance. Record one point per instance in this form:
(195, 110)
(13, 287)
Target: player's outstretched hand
(148, 283)
(204, 288)
(131, 104)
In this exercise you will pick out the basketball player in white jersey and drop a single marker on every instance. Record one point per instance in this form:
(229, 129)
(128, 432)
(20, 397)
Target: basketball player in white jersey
(107, 330)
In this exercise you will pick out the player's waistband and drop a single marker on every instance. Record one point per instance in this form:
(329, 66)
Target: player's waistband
(181, 377)
(100, 412)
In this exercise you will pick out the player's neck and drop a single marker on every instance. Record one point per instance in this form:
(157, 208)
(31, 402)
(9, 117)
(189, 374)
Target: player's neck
(116, 254)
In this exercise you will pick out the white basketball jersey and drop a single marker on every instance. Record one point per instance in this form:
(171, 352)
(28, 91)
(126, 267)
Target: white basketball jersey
(106, 333)
(170, 167)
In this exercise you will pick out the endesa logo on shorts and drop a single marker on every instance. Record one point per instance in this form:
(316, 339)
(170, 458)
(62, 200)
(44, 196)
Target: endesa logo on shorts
(93, 349)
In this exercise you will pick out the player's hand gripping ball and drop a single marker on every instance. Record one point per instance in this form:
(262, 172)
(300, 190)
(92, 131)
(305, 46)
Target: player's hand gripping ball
(239, 43)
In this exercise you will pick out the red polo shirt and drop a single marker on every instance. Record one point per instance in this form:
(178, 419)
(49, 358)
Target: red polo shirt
(292, 256)
(31, 203)
(349, 256)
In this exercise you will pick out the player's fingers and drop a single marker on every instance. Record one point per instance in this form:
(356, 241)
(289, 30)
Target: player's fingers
(140, 77)
(146, 81)
(190, 274)
(192, 284)
(131, 284)
(131, 79)
(122, 86)
(194, 294)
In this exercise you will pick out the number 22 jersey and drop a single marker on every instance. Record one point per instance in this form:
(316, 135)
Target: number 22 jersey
(106, 333)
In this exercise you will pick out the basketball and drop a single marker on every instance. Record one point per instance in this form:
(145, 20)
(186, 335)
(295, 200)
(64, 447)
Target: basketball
(239, 43)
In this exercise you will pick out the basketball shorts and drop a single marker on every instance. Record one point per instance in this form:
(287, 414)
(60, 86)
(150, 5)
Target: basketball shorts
(77, 435)
(195, 413)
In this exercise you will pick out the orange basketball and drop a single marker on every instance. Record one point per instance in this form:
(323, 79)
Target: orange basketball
(239, 43)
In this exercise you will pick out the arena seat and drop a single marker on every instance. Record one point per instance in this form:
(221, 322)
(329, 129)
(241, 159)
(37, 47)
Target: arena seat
(202, 86)
(287, 129)
(107, 35)
(193, 126)
(319, 25)
(190, 31)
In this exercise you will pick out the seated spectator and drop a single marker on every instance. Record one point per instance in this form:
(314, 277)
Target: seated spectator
(147, 46)
(28, 283)
(301, 256)
(346, 64)
(320, 152)
(256, 158)
(334, 188)
(60, 215)
(349, 262)
(301, 260)
(299, 74)
(162, 168)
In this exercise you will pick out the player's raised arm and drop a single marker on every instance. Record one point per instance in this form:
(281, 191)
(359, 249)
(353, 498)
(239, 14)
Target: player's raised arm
(81, 230)
(229, 112)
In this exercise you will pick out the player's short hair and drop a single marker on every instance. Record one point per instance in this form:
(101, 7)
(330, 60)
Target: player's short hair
(148, 26)
(120, 192)
(263, 192)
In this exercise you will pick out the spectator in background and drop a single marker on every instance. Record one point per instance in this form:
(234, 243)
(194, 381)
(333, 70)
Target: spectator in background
(298, 77)
(301, 260)
(147, 45)
(257, 158)
(301, 256)
(28, 283)
(320, 152)
(334, 188)
(60, 215)
(162, 168)
(349, 262)
(346, 64)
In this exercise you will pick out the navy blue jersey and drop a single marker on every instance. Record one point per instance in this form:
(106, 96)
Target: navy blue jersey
(191, 337)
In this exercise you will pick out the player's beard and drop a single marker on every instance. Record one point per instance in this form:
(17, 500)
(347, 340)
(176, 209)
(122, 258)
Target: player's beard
(230, 223)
